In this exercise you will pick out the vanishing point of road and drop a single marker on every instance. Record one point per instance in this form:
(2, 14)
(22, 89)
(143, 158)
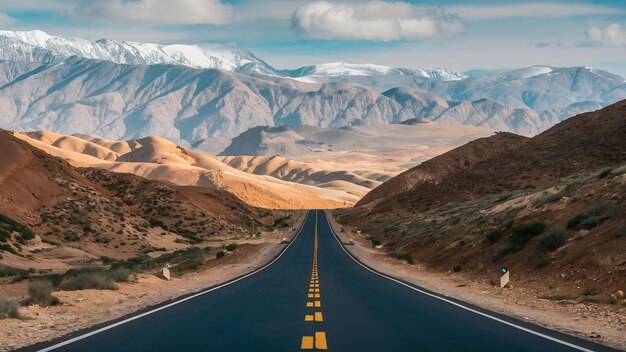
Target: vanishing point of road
(314, 296)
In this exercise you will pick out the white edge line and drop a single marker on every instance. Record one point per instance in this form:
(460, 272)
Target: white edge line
(530, 331)
(135, 317)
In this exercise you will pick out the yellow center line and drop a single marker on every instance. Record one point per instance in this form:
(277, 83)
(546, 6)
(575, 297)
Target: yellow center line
(318, 341)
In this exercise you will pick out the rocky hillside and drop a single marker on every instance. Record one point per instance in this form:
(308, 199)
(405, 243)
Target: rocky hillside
(551, 208)
(51, 212)
(582, 143)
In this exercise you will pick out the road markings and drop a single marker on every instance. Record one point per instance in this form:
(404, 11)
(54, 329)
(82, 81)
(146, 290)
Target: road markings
(138, 316)
(307, 343)
(318, 341)
(513, 325)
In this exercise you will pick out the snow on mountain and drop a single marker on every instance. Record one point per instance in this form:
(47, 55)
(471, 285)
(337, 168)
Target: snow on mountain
(39, 46)
(379, 77)
(98, 97)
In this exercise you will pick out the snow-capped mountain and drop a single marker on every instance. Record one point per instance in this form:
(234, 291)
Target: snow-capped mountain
(39, 46)
(122, 90)
(381, 78)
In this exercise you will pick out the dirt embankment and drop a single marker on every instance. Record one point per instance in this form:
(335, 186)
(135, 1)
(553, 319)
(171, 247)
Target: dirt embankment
(86, 308)
(601, 323)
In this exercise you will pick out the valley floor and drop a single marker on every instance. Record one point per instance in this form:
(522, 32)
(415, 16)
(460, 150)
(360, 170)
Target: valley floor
(86, 308)
(601, 323)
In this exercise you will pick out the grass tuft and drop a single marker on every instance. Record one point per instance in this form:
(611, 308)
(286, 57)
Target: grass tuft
(553, 239)
(40, 293)
(9, 309)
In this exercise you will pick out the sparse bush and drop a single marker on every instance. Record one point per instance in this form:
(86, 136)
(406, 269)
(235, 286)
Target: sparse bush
(230, 247)
(604, 173)
(220, 254)
(494, 236)
(502, 251)
(88, 280)
(18, 274)
(553, 239)
(118, 274)
(405, 256)
(457, 267)
(525, 232)
(8, 308)
(568, 191)
(375, 242)
(620, 231)
(543, 262)
(40, 293)
(591, 217)
(590, 292)
(8, 226)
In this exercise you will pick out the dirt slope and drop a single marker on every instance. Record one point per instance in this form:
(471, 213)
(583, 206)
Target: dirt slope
(585, 142)
(159, 159)
(55, 216)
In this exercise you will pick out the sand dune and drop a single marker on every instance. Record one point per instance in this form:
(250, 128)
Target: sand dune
(159, 159)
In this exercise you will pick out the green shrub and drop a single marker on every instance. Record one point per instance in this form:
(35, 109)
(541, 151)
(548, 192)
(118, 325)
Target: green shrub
(590, 292)
(88, 280)
(604, 173)
(591, 217)
(525, 232)
(405, 256)
(543, 261)
(568, 191)
(375, 242)
(457, 267)
(230, 247)
(494, 236)
(502, 251)
(8, 226)
(18, 274)
(118, 274)
(8, 308)
(40, 293)
(553, 239)
(220, 254)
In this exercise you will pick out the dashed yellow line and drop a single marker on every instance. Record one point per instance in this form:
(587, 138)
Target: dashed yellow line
(318, 341)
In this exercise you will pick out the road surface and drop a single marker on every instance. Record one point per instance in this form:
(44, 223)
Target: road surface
(316, 297)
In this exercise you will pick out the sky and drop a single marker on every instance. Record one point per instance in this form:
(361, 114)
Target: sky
(464, 35)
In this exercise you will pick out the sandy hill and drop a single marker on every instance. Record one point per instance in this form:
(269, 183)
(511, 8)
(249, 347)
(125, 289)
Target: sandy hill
(300, 172)
(551, 208)
(159, 159)
(55, 216)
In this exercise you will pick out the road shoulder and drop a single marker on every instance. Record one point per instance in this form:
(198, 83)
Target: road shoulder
(589, 321)
(87, 308)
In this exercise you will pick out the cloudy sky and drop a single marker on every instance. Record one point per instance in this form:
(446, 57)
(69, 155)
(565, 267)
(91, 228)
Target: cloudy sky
(483, 35)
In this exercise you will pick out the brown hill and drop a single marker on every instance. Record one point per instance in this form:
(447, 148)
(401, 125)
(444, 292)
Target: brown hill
(585, 142)
(435, 169)
(551, 209)
(159, 159)
(54, 216)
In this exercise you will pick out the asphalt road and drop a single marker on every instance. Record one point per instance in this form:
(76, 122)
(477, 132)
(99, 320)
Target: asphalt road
(315, 296)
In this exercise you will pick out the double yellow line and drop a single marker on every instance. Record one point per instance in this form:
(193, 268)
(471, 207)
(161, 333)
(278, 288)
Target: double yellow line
(318, 341)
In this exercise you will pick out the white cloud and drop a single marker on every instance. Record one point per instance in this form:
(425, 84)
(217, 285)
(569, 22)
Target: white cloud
(531, 10)
(375, 20)
(162, 11)
(6, 19)
(612, 35)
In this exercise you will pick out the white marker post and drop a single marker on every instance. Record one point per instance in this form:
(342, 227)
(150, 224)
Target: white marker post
(504, 279)
(166, 271)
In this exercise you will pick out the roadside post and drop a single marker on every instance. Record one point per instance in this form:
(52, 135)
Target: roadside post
(166, 271)
(504, 278)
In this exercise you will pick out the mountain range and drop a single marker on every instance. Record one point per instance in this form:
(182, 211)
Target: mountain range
(186, 93)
